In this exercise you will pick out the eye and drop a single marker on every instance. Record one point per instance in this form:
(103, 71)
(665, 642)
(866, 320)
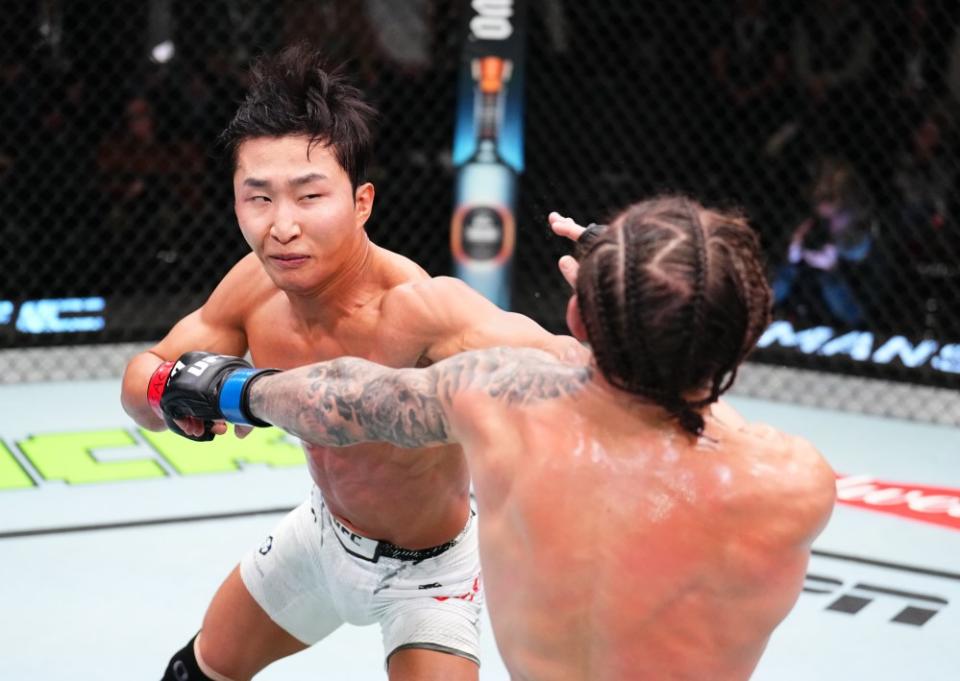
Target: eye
(259, 199)
(312, 196)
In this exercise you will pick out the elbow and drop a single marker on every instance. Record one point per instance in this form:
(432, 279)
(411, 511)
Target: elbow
(138, 410)
(133, 391)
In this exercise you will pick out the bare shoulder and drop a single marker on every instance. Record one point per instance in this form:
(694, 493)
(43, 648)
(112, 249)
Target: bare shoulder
(429, 296)
(242, 290)
(416, 308)
(787, 453)
(808, 470)
(403, 267)
(220, 324)
(794, 484)
(398, 271)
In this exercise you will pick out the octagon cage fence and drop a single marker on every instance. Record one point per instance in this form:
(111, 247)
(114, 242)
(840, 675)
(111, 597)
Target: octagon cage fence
(833, 124)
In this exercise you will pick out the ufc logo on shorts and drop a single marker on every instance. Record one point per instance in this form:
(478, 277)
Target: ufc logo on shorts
(493, 19)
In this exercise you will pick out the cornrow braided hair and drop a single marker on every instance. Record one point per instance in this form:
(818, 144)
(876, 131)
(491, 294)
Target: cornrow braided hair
(673, 297)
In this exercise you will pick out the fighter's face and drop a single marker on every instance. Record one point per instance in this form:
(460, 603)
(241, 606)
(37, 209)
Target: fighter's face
(297, 212)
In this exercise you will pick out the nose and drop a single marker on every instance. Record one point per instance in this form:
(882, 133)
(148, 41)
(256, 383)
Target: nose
(285, 227)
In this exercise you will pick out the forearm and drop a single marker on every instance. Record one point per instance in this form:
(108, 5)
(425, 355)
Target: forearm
(133, 394)
(347, 401)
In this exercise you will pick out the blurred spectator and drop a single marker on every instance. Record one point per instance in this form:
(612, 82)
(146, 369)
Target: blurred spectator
(909, 79)
(402, 31)
(751, 63)
(918, 55)
(136, 163)
(953, 69)
(213, 86)
(926, 242)
(833, 49)
(826, 248)
(750, 66)
(20, 93)
(925, 178)
(339, 26)
(65, 149)
(151, 182)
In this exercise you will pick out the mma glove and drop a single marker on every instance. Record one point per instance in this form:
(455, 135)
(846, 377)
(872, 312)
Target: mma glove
(205, 386)
(587, 239)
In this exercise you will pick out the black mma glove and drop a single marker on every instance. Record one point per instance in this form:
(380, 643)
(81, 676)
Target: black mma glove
(209, 387)
(586, 239)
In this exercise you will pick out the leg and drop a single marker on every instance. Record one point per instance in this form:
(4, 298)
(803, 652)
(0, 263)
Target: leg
(418, 664)
(783, 283)
(435, 635)
(274, 604)
(183, 666)
(238, 638)
(840, 300)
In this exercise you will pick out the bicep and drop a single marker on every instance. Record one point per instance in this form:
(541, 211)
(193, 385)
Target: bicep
(202, 329)
(193, 332)
(218, 325)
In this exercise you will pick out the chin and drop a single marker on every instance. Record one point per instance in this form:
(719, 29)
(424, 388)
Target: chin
(293, 281)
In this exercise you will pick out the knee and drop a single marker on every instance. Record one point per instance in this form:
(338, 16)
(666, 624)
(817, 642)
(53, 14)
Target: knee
(187, 664)
(210, 659)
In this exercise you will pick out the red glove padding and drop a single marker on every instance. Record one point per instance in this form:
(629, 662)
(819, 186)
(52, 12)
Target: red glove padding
(156, 385)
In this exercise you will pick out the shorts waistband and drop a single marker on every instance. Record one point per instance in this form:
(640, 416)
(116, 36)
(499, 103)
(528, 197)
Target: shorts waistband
(374, 549)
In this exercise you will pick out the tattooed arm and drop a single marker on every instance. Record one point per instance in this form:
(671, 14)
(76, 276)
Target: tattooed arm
(350, 400)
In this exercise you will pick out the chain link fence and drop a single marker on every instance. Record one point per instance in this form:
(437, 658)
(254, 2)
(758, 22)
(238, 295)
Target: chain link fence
(831, 123)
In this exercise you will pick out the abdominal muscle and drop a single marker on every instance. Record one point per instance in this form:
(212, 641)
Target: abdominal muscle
(414, 498)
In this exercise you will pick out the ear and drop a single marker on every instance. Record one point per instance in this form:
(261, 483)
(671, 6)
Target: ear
(363, 203)
(575, 321)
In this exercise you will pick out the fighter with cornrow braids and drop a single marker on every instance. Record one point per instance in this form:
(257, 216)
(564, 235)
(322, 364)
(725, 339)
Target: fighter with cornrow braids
(631, 524)
(681, 264)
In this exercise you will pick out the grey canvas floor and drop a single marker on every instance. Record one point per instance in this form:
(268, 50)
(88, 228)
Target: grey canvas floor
(111, 544)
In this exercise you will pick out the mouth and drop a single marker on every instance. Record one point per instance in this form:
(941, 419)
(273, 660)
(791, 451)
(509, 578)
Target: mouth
(288, 260)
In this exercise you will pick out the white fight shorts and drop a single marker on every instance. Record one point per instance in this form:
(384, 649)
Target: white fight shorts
(312, 574)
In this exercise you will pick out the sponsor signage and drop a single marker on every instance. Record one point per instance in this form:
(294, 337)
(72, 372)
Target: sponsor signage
(926, 360)
(69, 457)
(937, 505)
(875, 590)
(54, 315)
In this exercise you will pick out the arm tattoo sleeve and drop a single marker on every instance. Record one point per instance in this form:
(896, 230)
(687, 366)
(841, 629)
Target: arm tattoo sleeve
(350, 400)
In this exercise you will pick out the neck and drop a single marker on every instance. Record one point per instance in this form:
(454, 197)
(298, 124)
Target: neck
(340, 294)
(633, 399)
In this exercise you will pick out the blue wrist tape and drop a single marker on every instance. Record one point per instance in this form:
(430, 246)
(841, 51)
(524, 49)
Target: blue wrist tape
(231, 394)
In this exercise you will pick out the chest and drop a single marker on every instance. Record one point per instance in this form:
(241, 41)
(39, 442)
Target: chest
(277, 340)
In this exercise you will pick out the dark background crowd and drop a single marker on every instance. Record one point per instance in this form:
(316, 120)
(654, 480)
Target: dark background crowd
(832, 123)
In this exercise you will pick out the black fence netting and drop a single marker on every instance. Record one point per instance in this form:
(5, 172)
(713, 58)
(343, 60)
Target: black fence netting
(832, 123)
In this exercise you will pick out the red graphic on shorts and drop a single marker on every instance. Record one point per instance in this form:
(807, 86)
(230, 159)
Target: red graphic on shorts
(469, 596)
(938, 505)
